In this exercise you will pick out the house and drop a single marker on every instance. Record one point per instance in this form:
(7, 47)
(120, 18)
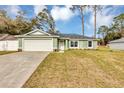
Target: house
(8, 43)
(38, 40)
(117, 44)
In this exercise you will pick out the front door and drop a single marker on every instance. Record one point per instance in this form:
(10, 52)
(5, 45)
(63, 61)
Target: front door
(61, 45)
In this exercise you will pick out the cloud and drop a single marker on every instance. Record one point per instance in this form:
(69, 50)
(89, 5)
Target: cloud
(104, 18)
(39, 8)
(62, 13)
(12, 10)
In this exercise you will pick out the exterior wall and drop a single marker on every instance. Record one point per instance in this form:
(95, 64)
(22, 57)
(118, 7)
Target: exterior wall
(116, 46)
(2, 45)
(70, 44)
(83, 44)
(95, 44)
(12, 45)
(20, 43)
(55, 43)
(66, 44)
(9, 45)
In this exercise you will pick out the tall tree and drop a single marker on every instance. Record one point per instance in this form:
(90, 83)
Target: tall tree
(96, 9)
(80, 9)
(44, 21)
(20, 24)
(103, 30)
(119, 23)
(4, 21)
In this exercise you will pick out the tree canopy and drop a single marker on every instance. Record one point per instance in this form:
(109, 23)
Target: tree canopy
(21, 24)
(114, 31)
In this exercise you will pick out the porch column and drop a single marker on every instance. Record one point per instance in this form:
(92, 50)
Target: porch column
(20, 44)
(66, 44)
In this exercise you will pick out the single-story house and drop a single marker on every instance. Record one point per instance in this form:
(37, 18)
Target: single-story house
(117, 44)
(38, 40)
(8, 43)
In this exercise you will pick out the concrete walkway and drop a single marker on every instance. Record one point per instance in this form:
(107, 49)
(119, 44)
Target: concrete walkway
(16, 68)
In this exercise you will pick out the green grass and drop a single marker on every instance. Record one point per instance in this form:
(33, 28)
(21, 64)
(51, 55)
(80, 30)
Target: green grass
(80, 68)
(6, 52)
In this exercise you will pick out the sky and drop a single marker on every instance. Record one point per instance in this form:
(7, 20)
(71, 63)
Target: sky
(67, 21)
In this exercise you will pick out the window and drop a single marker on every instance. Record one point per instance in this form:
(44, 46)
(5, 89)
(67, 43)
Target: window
(74, 43)
(89, 43)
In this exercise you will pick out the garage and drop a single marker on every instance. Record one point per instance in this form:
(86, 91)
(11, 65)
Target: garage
(38, 45)
(37, 40)
(117, 44)
(11, 45)
(8, 43)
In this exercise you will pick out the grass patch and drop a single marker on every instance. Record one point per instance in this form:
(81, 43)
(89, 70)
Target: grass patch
(6, 52)
(80, 68)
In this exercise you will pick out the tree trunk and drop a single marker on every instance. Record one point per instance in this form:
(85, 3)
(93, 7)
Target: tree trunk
(83, 26)
(95, 21)
(82, 19)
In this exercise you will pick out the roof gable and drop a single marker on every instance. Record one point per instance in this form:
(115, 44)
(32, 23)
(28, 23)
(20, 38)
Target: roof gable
(37, 32)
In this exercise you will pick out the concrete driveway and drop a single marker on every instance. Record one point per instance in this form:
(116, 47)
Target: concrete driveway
(16, 68)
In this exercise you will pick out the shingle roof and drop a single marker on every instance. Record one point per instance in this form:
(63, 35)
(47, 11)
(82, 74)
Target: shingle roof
(118, 41)
(3, 36)
(74, 36)
(7, 37)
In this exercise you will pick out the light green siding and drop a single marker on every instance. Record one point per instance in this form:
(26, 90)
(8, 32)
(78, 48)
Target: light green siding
(82, 44)
(85, 44)
(55, 43)
(20, 43)
(66, 44)
(94, 44)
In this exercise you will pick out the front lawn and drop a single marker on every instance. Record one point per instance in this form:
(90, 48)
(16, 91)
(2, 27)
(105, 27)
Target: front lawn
(80, 68)
(6, 52)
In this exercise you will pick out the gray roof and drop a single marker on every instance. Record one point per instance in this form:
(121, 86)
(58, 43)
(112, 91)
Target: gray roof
(3, 36)
(121, 40)
(7, 37)
(74, 36)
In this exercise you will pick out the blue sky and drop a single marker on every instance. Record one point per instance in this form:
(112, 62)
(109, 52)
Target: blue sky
(66, 20)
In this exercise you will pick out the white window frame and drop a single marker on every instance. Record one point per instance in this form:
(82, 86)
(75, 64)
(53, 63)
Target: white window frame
(88, 44)
(74, 41)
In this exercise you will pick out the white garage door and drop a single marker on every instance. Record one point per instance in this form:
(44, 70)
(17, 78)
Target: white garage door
(38, 45)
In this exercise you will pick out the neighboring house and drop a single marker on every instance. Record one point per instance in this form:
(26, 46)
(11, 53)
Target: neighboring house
(38, 40)
(117, 44)
(8, 43)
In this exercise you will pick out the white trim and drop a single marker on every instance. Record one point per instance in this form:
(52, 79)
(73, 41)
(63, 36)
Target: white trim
(47, 47)
(23, 43)
(35, 36)
(88, 46)
(36, 31)
(73, 47)
(61, 45)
